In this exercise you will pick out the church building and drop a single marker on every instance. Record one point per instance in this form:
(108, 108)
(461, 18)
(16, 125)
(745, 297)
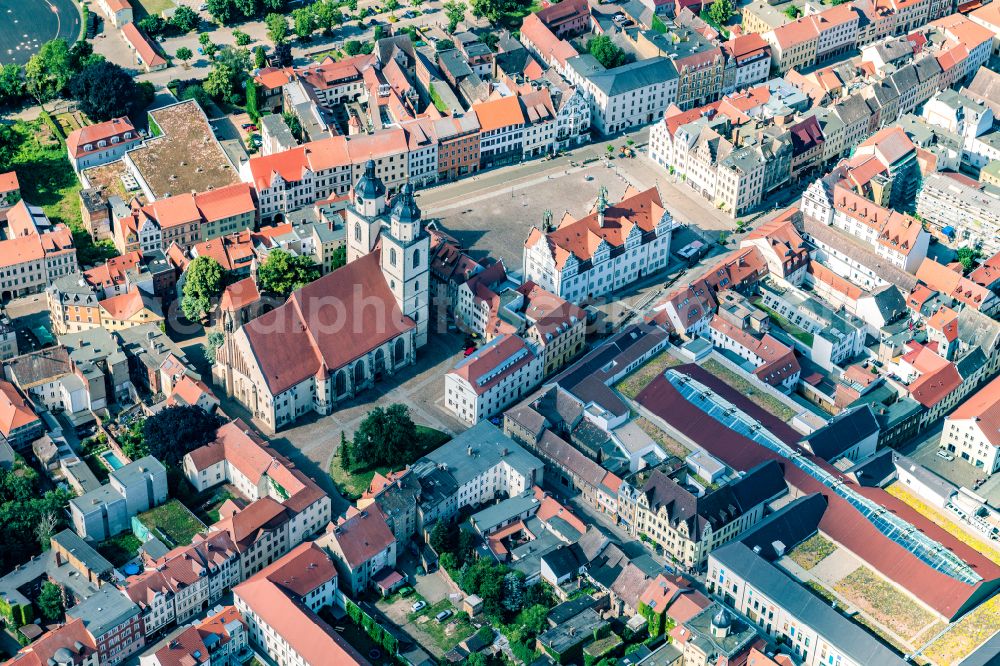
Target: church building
(337, 336)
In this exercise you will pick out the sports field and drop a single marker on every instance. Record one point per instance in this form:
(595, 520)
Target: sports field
(27, 24)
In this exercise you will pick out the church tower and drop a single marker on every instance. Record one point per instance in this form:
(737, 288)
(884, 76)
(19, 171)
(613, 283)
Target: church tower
(405, 261)
(365, 214)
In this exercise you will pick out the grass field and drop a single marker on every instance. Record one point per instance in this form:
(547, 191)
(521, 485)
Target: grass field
(756, 395)
(800, 334)
(154, 6)
(47, 179)
(447, 634)
(120, 549)
(633, 384)
(943, 521)
(173, 522)
(812, 551)
(352, 484)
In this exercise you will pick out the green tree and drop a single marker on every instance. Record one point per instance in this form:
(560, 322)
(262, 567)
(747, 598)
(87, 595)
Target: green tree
(968, 256)
(352, 5)
(303, 22)
(352, 47)
(49, 71)
(339, 257)
(534, 619)
(242, 38)
(391, 6)
(11, 84)
(105, 91)
(184, 54)
(204, 39)
(475, 659)
(444, 537)
(50, 602)
(259, 57)
(386, 437)
(277, 28)
(276, 6)
(151, 24)
(132, 442)
(172, 432)
(491, 10)
(454, 10)
(253, 101)
(203, 281)
(720, 11)
(82, 54)
(249, 8)
(223, 11)
(378, 33)
(185, 19)
(282, 272)
(327, 14)
(294, 126)
(219, 82)
(607, 52)
(212, 344)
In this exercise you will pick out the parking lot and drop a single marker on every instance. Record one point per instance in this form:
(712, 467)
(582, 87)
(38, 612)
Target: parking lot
(958, 471)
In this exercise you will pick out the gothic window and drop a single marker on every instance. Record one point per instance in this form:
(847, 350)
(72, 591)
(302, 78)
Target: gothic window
(399, 351)
(392, 256)
(357, 231)
(416, 259)
(359, 373)
(340, 385)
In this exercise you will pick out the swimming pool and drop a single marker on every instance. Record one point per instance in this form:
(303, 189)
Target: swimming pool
(113, 461)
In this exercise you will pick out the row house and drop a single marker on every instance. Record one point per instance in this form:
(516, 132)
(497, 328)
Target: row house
(363, 548)
(239, 457)
(220, 639)
(114, 623)
(774, 363)
(181, 584)
(688, 527)
(748, 62)
(34, 253)
(501, 131)
(496, 375)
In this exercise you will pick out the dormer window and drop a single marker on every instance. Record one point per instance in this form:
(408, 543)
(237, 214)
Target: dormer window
(88, 147)
(114, 139)
(128, 135)
(102, 143)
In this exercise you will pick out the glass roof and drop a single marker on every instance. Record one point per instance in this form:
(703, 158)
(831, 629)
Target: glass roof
(902, 532)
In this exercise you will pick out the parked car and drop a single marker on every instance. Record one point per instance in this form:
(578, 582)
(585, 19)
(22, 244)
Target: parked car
(443, 615)
(418, 606)
(469, 351)
(405, 591)
(943, 453)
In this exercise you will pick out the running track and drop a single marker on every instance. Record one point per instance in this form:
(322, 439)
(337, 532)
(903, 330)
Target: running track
(27, 24)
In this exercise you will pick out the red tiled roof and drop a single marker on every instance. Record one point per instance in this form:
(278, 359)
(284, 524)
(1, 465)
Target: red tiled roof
(363, 536)
(295, 340)
(499, 113)
(945, 320)
(142, 45)
(275, 596)
(127, 305)
(983, 408)
(492, 356)
(9, 182)
(239, 294)
(224, 202)
(91, 134)
(42, 651)
(15, 412)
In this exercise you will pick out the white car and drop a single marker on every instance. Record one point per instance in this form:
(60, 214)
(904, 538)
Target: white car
(943, 453)
(418, 606)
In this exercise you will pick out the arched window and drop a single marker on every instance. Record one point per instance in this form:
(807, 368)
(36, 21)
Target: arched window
(398, 351)
(392, 256)
(340, 383)
(359, 374)
(416, 258)
(357, 231)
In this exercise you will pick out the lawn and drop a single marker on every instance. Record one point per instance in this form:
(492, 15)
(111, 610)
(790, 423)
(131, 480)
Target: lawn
(812, 551)
(943, 521)
(447, 634)
(353, 484)
(800, 334)
(120, 549)
(967, 634)
(47, 179)
(669, 444)
(633, 384)
(173, 523)
(97, 466)
(207, 509)
(151, 7)
(757, 396)
(884, 603)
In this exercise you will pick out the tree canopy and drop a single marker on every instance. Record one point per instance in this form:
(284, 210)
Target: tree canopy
(607, 52)
(50, 602)
(203, 281)
(454, 10)
(105, 91)
(175, 431)
(185, 19)
(48, 72)
(23, 507)
(282, 272)
(385, 437)
(277, 28)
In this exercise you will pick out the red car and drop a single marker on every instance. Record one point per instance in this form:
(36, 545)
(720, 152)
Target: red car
(470, 351)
